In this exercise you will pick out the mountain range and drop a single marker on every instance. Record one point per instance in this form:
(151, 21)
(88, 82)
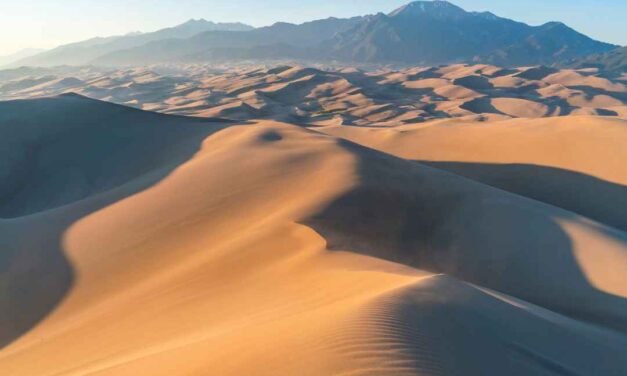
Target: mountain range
(439, 32)
(421, 32)
(614, 61)
(19, 55)
(89, 51)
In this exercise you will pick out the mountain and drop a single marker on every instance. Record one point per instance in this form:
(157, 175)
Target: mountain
(21, 54)
(434, 32)
(279, 40)
(549, 43)
(421, 32)
(81, 53)
(614, 61)
(437, 9)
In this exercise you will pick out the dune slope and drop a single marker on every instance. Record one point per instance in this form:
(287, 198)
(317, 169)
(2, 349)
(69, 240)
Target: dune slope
(574, 162)
(60, 151)
(270, 249)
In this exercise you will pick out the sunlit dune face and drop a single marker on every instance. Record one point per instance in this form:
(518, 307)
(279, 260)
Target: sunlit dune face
(601, 266)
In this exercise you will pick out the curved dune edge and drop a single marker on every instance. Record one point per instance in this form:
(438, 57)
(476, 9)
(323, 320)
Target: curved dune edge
(265, 253)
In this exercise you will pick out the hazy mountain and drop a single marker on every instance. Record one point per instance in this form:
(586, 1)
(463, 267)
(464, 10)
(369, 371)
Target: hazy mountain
(614, 61)
(421, 32)
(21, 54)
(81, 53)
(279, 40)
(429, 32)
(433, 32)
(549, 43)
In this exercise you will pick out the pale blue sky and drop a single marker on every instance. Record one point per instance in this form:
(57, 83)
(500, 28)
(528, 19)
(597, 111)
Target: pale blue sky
(47, 23)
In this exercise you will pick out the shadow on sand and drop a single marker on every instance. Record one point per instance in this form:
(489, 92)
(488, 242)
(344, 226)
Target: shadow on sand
(409, 213)
(57, 153)
(595, 198)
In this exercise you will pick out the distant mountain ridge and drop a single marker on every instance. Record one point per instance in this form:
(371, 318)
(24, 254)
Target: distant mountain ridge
(21, 54)
(614, 61)
(438, 32)
(547, 44)
(282, 40)
(421, 32)
(85, 52)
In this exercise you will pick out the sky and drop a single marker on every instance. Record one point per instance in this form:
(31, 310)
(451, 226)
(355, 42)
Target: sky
(49, 23)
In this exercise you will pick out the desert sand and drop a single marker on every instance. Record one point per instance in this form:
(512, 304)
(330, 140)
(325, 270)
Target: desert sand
(359, 232)
(335, 95)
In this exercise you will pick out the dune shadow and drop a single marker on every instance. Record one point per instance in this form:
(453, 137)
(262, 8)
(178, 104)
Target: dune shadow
(423, 217)
(481, 105)
(605, 112)
(580, 193)
(593, 91)
(450, 327)
(428, 73)
(474, 82)
(537, 73)
(70, 156)
(556, 106)
(522, 91)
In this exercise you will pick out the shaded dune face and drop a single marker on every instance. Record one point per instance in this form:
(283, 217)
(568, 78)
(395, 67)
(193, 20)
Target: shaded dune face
(270, 249)
(452, 328)
(571, 162)
(507, 106)
(56, 153)
(411, 214)
(563, 188)
(63, 149)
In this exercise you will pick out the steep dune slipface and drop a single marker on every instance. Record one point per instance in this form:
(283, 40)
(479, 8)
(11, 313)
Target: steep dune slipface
(443, 223)
(572, 162)
(270, 249)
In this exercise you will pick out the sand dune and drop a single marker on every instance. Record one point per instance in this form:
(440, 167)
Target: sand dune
(572, 162)
(574, 78)
(308, 95)
(177, 245)
(513, 107)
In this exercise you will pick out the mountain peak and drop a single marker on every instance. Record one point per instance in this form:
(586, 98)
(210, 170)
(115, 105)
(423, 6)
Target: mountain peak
(436, 8)
(194, 21)
(486, 15)
(554, 24)
(201, 24)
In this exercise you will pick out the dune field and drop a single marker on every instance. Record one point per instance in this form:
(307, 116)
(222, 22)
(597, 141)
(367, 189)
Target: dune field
(336, 95)
(455, 220)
